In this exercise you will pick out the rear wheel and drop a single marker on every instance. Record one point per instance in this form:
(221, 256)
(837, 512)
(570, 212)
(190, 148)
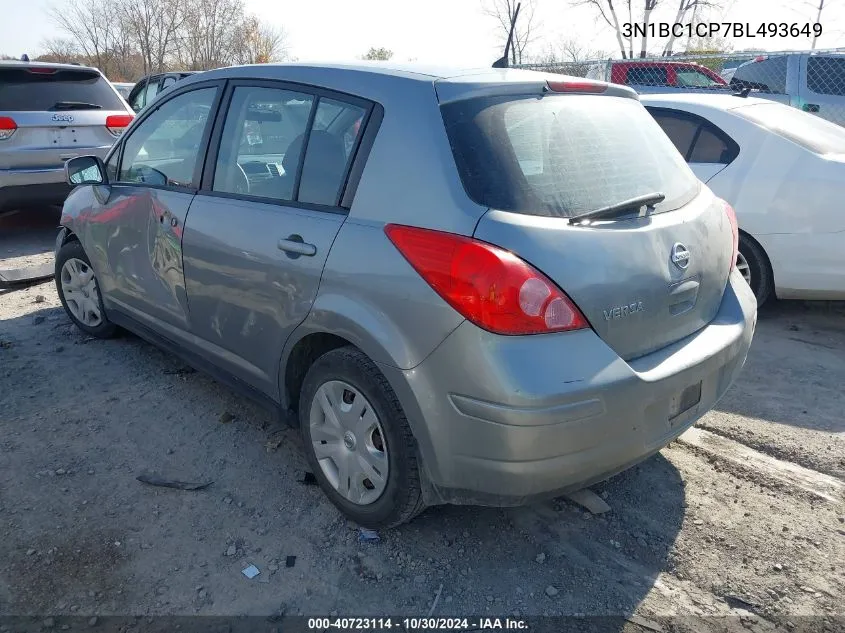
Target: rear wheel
(753, 264)
(357, 440)
(79, 292)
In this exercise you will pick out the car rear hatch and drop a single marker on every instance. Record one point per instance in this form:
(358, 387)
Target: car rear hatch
(49, 114)
(645, 276)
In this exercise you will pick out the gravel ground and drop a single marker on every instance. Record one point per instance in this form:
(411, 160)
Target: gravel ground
(694, 531)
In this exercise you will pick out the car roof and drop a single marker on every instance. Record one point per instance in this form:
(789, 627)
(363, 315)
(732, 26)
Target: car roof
(386, 82)
(647, 62)
(409, 70)
(716, 102)
(14, 63)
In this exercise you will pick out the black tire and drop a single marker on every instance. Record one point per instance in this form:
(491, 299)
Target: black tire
(73, 249)
(762, 280)
(402, 498)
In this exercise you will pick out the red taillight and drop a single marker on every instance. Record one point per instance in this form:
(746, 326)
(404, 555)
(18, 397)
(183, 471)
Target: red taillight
(41, 70)
(116, 123)
(491, 287)
(593, 87)
(729, 210)
(7, 127)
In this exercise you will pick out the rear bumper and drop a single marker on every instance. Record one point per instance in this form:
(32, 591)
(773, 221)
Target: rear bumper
(503, 420)
(48, 192)
(38, 186)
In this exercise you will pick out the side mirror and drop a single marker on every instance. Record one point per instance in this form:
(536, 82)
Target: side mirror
(85, 170)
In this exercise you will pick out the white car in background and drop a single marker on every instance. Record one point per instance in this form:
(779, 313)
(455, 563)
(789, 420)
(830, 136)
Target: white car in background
(783, 171)
(124, 88)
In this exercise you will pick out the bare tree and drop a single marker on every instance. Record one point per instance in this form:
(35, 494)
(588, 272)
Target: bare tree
(379, 54)
(608, 11)
(153, 27)
(687, 8)
(816, 7)
(524, 32)
(60, 50)
(259, 43)
(209, 36)
(91, 25)
(648, 8)
(569, 58)
(131, 38)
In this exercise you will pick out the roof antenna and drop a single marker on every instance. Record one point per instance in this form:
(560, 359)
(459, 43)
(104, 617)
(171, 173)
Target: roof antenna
(24, 57)
(502, 62)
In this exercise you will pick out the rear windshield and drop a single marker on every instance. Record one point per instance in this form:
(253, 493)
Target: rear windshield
(563, 155)
(807, 130)
(23, 90)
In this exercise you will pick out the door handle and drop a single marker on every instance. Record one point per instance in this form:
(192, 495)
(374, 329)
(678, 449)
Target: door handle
(294, 245)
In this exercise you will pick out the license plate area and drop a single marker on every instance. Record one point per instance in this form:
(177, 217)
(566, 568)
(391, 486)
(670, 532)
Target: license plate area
(684, 401)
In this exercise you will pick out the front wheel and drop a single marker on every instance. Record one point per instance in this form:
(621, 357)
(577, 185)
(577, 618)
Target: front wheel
(357, 440)
(79, 291)
(753, 265)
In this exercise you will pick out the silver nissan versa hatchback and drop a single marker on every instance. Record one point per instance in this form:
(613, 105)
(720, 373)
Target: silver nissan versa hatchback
(478, 287)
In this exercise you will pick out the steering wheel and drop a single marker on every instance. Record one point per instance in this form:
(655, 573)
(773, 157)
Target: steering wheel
(241, 184)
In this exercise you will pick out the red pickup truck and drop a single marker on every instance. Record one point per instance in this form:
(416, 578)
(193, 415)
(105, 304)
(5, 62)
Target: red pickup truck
(660, 74)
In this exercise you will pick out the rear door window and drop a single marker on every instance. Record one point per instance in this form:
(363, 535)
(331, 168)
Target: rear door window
(266, 130)
(698, 140)
(40, 89)
(826, 75)
(262, 142)
(680, 130)
(562, 155)
(647, 76)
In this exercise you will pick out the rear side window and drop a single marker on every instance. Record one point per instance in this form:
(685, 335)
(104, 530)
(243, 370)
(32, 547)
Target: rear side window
(698, 140)
(563, 155)
(709, 148)
(826, 75)
(329, 146)
(25, 91)
(807, 130)
(647, 76)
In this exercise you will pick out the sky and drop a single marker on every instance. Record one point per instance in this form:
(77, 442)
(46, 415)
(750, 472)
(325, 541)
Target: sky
(441, 31)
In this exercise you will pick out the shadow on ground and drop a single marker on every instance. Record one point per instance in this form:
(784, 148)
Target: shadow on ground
(113, 408)
(793, 375)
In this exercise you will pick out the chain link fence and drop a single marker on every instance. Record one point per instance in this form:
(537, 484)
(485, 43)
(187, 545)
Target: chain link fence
(813, 81)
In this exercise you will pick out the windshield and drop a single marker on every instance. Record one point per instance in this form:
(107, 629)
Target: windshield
(24, 91)
(807, 130)
(563, 155)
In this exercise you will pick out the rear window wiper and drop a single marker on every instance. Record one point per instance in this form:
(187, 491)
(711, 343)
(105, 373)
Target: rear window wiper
(75, 105)
(646, 200)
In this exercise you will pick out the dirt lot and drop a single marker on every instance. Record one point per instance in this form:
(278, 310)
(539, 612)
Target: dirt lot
(744, 517)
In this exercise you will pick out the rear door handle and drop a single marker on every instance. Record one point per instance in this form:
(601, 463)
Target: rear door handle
(295, 245)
